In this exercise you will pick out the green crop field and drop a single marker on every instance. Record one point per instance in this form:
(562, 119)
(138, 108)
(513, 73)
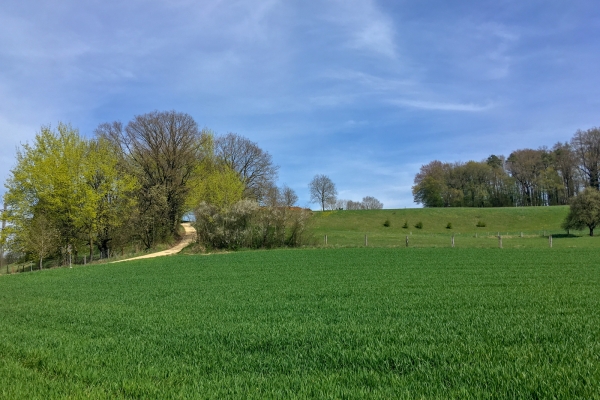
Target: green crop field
(312, 323)
(524, 227)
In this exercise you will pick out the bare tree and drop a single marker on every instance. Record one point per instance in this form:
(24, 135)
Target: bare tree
(322, 191)
(354, 205)
(586, 145)
(289, 196)
(253, 165)
(371, 203)
(162, 149)
(341, 204)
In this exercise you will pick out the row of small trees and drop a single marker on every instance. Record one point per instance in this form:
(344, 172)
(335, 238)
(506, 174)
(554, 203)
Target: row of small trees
(324, 193)
(527, 177)
(129, 183)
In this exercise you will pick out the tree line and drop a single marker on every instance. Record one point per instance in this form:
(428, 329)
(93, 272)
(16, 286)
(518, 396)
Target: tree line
(527, 177)
(134, 183)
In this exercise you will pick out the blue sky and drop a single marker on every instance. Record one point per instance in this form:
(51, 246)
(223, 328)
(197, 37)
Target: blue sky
(363, 91)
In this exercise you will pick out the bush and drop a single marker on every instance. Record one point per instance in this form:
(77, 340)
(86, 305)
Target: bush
(480, 224)
(405, 226)
(387, 223)
(246, 225)
(449, 225)
(419, 225)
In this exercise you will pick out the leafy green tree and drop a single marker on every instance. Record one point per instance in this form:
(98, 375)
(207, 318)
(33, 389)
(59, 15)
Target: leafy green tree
(69, 184)
(113, 196)
(584, 211)
(221, 187)
(41, 238)
(50, 179)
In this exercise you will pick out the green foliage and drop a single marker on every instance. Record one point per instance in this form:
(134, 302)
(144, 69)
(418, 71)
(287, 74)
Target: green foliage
(217, 186)
(584, 211)
(341, 323)
(387, 223)
(480, 224)
(405, 225)
(419, 225)
(71, 183)
(449, 225)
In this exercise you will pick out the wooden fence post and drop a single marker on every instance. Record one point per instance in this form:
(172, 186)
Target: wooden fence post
(366, 242)
(406, 241)
(550, 240)
(453, 240)
(500, 241)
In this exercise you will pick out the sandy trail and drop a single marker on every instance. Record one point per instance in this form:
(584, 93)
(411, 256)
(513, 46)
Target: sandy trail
(188, 237)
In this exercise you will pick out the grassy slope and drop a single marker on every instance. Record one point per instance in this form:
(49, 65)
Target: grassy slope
(340, 323)
(348, 228)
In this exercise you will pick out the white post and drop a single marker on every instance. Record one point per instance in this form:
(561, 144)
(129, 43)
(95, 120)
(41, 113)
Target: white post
(366, 242)
(500, 241)
(550, 240)
(453, 240)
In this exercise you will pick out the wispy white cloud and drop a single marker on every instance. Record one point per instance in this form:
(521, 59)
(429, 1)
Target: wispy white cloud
(367, 28)
(440, 106)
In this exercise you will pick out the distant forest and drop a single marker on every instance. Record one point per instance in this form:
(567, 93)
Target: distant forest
(528, 177)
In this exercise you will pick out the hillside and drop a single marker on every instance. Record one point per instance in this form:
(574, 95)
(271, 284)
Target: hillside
(348, 228)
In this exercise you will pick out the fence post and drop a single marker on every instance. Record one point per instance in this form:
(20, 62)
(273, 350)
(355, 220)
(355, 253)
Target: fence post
(406, 241)
(550, 240)
(521, 234)
(453, 240)
(325, 240)
(500, 241)
(366, 241)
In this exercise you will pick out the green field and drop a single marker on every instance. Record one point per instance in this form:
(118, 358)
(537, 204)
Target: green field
(317, 323)
(524, 227)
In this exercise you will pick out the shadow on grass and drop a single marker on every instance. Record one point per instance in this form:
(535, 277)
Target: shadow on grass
(566, 235)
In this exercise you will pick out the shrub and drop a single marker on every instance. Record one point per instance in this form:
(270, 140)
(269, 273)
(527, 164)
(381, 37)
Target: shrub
(419, 225)
(480, 224)
(449, 225)
(246, 225)
(387, 223)
(405, 226)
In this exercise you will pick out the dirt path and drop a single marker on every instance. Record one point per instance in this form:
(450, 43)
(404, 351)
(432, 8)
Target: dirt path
(188, 237)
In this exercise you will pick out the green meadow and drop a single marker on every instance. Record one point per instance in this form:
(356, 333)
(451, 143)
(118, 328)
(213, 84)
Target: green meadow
(524, 227)
(311, 323)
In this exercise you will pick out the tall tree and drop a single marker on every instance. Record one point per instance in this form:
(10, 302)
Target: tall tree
(586, 145)
(50, 178)
(322, 191)
(162, 149)
(565, 163)
(253, 165)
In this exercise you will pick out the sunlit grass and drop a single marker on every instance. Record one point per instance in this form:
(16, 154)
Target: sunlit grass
(321, 323)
